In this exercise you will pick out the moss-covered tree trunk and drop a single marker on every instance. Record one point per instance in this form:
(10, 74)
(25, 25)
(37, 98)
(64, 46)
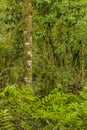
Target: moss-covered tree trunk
(28, 42)
(82, 66)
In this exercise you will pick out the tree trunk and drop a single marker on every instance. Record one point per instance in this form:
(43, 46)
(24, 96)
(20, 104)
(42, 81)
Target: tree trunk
(28, 42)
(82, 65)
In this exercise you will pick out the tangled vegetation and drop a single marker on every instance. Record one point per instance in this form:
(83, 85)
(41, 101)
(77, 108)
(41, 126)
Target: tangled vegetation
(57, 98)
(22, 109)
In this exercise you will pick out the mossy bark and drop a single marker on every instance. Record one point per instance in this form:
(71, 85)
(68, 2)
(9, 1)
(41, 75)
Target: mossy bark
(28, 42)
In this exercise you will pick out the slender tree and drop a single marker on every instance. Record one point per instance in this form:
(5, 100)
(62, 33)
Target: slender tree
(82, 65)
(28, 41)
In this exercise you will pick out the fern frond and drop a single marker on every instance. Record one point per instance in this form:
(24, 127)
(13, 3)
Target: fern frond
(6, 120)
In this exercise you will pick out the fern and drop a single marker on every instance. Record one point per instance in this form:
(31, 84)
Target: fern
(24, 110)
(6, 120)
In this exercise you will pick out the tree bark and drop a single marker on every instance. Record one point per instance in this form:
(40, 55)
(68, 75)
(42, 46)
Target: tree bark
(28, 42)
(82, 65)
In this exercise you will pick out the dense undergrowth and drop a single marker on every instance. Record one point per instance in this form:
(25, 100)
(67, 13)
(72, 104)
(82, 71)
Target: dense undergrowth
(21, 109)
(59, 57)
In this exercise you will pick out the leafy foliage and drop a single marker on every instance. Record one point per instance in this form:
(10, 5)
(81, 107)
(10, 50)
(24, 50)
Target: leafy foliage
(6, 120)
(24, 110)
(59, 66)
(11, 48)
(60, 36)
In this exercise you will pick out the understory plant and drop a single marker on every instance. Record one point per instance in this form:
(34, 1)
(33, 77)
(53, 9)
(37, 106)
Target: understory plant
(21, 109)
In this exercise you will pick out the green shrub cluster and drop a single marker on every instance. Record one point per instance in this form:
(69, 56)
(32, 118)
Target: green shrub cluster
(20, 109)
